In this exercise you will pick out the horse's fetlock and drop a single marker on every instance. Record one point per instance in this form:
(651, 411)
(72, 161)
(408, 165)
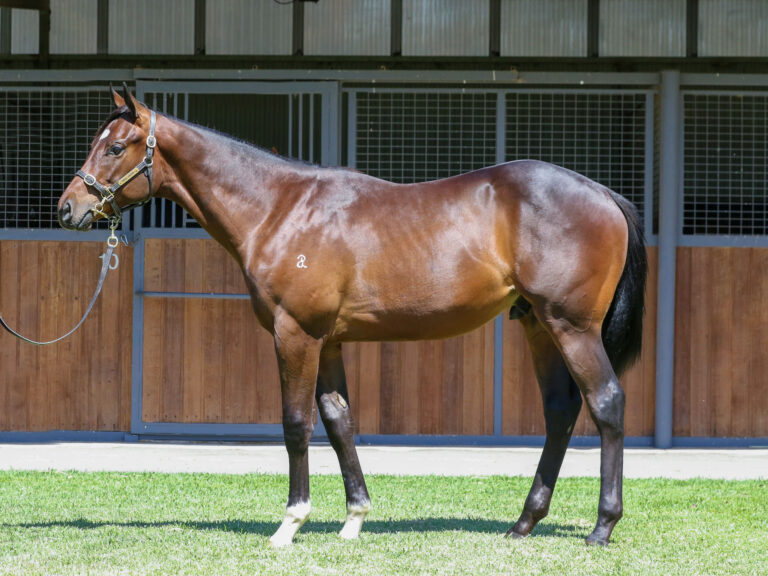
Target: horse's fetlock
(538, 506)
(611, 511)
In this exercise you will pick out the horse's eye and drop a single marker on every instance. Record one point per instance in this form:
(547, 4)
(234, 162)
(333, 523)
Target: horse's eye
(116, 149)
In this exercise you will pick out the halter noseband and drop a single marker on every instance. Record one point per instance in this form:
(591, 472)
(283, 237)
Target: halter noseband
(108, 193)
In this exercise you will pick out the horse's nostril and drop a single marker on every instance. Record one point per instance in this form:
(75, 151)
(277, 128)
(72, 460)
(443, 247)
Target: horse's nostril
(66, 212)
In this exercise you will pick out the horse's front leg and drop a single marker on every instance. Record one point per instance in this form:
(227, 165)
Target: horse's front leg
(333, 402)
(297, 357)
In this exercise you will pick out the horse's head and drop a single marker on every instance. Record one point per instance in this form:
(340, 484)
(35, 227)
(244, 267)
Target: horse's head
(108, 181)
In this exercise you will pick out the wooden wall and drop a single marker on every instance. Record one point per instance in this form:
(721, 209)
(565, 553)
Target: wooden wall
(429, 387)
(437, 387)
(721, 365)
(205, 360)
(209, 361)
(83, 382)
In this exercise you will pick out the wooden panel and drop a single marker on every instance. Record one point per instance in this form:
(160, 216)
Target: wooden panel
(208, 361)
(721, 329)
(190, 266)
(83, 382)
(522, 406)
(429, 387)
(204, 360)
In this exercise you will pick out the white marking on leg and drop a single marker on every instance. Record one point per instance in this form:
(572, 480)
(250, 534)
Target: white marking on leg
(355, 517)
(295, 516)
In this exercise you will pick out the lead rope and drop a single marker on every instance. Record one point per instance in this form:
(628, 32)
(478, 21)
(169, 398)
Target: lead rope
(106, 265)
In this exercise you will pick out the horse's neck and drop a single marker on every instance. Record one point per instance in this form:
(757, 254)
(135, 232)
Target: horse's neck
(226, 189)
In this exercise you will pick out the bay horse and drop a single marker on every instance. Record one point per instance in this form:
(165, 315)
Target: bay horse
(331, 255)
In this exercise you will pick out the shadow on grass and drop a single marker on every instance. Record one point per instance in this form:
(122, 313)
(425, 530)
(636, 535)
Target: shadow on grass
(425, 525)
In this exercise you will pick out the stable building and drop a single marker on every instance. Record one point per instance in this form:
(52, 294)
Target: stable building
(664, 101)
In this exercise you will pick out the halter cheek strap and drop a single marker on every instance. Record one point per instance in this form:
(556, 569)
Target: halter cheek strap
(108, 194)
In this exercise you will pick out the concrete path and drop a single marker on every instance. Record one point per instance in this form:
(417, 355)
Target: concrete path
(243, 459)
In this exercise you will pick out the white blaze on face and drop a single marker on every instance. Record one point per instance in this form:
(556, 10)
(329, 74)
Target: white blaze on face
(104, 134)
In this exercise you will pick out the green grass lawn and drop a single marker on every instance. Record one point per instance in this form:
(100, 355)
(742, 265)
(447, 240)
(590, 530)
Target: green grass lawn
(111, 523)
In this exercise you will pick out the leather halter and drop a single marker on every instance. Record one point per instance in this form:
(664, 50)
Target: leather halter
(108, 194)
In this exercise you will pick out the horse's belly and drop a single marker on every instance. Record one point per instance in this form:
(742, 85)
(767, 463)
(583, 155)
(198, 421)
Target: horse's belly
(410, 315)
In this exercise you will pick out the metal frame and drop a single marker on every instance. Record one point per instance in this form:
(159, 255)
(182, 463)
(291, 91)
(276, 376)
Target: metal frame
(709, 240)
(670, 185)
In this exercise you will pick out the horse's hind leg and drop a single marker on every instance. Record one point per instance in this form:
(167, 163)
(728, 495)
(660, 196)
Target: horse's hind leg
(333, 402)
(297, 358)
(591, 369)
(562, 403)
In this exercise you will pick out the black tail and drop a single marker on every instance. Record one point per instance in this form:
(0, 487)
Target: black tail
(623, 325)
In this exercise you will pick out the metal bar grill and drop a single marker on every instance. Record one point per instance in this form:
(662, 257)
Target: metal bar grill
(725, 167)
(600, 135)
(45, 136)
(416, 136)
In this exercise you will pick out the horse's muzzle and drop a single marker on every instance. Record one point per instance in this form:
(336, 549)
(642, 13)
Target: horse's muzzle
(73, 219)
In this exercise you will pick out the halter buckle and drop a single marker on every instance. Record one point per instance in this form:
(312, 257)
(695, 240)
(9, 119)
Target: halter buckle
(151, 141)
(89, 180)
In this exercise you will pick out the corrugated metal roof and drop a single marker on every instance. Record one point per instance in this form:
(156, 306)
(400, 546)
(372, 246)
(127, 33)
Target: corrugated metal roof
(25, 31)
(152, 27)
(247, 27)
(733, 28)
(544, 28)
(445, 27)
(642, 28)
(351, 27)
(73, 26)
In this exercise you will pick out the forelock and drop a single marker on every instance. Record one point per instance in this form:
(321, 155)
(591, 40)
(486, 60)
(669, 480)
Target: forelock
(122, 111)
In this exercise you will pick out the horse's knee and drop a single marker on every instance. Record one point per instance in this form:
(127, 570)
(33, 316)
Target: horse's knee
(297, 430)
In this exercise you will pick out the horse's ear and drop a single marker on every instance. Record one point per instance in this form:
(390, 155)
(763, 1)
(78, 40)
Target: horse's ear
(129, 100)
(116, 98)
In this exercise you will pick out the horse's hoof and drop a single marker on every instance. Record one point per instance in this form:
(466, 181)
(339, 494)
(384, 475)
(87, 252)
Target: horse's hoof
(595, 541)
(516, 535)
